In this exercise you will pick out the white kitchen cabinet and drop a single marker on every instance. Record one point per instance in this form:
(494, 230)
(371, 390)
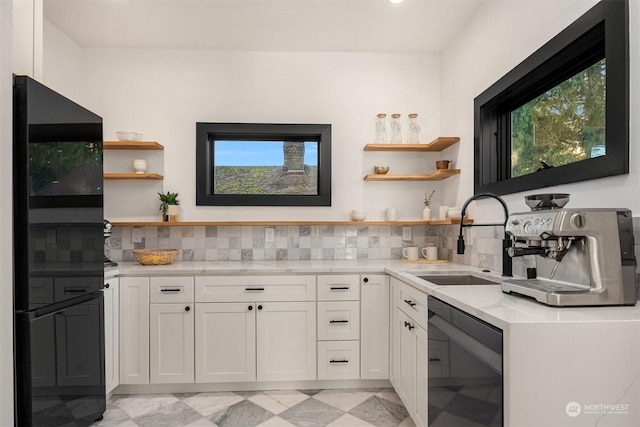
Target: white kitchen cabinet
(394, 332)
(264, 341)
(225, 346)
(338, 326)
(409, 355)
(171, 343)
(338, 320)
(112, 333)
(286, 341)
(374, 335)
(338, 287)
(412, 377)
(338, 360)
(252, 328)
(134, 330)
(171, 330)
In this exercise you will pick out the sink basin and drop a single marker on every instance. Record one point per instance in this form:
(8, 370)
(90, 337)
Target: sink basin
(457, 279)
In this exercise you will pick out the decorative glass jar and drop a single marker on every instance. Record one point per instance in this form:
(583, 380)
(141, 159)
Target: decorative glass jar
(396, 129)
(414, 129)
(381, 129)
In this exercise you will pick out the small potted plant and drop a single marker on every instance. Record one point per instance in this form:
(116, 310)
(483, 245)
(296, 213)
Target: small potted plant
(426, 212)
(169, 206)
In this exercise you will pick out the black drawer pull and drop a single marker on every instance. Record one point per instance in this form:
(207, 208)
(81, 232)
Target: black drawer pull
(338, 321)
(74, 290)
(411, 303)
(435, 360)
(408, 325)
(339, 361)
(254, 289)
(171, 290)
(339, 288)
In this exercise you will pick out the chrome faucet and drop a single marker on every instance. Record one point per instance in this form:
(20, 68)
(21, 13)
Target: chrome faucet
(507, 263)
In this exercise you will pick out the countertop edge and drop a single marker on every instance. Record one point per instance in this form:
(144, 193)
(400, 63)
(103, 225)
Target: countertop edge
(486, 302)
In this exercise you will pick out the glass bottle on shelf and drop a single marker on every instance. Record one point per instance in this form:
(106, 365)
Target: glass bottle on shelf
(396, 129)
(414, 129)
(381, 129)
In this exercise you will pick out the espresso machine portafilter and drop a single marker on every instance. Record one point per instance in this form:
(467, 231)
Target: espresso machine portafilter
(107, 245)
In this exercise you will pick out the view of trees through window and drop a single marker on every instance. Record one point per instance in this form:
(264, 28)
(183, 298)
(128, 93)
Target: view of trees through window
(565, 124)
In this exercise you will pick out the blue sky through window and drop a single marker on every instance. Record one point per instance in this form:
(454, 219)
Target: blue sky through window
(259, 153)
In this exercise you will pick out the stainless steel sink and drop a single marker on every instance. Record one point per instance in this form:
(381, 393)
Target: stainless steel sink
(457, 279)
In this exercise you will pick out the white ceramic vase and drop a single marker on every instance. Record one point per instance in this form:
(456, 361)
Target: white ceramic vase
(426, 213)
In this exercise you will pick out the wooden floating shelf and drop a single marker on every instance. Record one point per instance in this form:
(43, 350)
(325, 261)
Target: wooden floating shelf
(438, 175)
(438, 144)
(132, 145)
(141, 176)
(283, 223)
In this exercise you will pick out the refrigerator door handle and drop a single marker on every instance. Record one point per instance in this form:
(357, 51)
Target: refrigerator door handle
(60, 306)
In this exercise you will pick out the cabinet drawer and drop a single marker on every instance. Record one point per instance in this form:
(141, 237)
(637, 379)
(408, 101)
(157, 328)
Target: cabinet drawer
(170, 289)
(255, 288)
(413, 303)
(343, 287)
(338, 360)
(338, 320)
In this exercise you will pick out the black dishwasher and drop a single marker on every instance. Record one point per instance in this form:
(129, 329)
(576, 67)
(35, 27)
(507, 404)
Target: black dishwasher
(465, 368)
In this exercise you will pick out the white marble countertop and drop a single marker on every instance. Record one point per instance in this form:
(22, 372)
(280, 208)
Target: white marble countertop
(486, 302)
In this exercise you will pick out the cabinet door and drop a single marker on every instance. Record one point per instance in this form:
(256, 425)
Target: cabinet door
(420, 344)
(286, 336)
(134, 330)
(225, 342)
(374, 339)
(171, 343)
(406, 359)
(394, 331)
(111, 333)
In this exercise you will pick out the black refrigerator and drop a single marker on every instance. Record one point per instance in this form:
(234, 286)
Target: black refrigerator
(58, 259)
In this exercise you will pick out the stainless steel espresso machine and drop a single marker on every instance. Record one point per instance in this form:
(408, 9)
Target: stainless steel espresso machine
(585, 257)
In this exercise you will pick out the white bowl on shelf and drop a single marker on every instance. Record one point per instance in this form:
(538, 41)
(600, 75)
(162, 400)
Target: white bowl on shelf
(358, 215)
(128, 136)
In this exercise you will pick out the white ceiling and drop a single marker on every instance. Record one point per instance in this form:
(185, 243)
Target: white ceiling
(414, 26)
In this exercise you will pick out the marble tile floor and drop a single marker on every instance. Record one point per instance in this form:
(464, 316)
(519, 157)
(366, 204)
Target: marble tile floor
(277, 408)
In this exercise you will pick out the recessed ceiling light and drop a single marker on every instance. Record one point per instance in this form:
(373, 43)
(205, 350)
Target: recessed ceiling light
(396, 1)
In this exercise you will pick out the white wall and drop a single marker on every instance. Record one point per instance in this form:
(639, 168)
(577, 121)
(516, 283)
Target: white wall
(500, 36)
(62, 63)
(163, 93)
(6, 216)
(27, 38)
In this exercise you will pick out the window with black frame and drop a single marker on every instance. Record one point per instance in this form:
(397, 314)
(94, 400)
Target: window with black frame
(562, 115)
(253, 164)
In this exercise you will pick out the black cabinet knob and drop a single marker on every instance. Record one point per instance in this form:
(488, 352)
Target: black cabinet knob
(259, 307)
(250, 307)
(106, 285)
(187, 308)
(365, 280)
